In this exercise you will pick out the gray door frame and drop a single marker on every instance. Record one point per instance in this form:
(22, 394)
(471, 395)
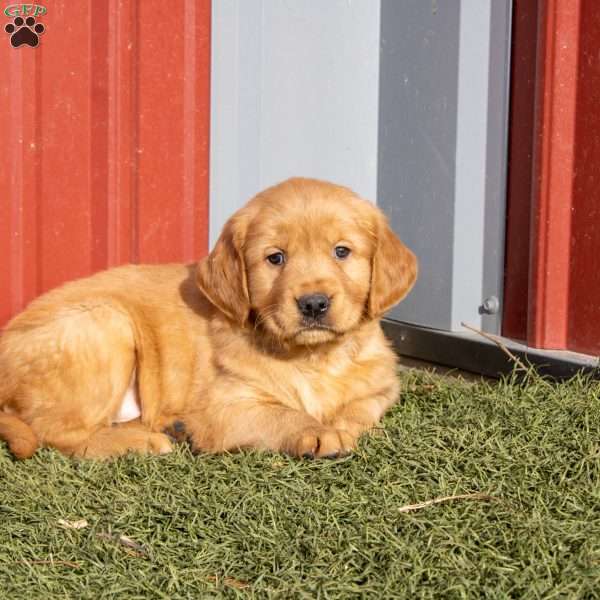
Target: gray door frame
(443, 115)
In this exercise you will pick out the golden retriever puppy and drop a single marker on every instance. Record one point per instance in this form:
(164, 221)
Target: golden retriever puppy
(273, 341)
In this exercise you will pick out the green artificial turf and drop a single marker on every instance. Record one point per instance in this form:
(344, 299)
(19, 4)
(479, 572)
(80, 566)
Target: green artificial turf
(268, 526)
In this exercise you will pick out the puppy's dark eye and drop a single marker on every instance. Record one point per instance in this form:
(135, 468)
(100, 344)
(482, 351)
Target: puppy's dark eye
(342, 252)
(277, 258)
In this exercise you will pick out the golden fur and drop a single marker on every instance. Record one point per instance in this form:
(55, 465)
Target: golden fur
(219, 349)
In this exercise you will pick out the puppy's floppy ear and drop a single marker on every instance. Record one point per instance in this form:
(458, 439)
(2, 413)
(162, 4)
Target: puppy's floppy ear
(393, 271)
(221, 276)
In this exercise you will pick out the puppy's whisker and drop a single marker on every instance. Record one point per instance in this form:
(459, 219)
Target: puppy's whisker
(263, 315)
(269, 310)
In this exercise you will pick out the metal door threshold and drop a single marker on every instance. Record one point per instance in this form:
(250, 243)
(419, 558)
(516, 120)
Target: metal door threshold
(472, 352)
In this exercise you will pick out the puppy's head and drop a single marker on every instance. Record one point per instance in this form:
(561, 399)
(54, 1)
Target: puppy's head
(308, 261)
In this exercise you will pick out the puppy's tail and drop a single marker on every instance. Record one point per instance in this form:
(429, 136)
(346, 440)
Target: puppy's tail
(20, 438)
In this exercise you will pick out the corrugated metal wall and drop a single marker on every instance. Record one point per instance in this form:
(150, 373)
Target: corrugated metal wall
(552, 298)
(104, 154)
(104, 138)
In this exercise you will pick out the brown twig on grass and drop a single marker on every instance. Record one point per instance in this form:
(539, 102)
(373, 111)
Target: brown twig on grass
(419, 505)
(131, 545)
(229, 582)
(64, 563)
(495, 340)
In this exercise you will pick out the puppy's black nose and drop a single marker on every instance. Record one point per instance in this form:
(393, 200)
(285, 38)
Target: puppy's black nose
(313, 305)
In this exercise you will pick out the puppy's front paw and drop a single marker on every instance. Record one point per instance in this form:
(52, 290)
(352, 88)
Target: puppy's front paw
(159, 443)
(320, 442)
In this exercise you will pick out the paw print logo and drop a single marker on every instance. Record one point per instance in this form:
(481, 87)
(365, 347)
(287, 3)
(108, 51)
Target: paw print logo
(24, 32)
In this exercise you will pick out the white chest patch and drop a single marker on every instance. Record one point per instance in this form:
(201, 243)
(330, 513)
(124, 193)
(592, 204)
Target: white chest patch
(306, 394)
(130, 405)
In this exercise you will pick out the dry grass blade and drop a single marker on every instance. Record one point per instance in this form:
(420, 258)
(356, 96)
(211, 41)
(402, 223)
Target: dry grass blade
(80, 524)
(229, 582)
(62, 563)
(419, 505)
(134, 547)
(502, 346)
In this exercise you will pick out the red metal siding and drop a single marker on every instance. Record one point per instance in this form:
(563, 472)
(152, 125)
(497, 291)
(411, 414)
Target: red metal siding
(520, 167)
(105, 140)
(584, 300)
(554, 163)
(559, 308)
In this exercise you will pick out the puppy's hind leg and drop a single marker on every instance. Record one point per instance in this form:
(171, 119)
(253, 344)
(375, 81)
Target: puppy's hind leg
(71, 371)
(120, 439)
